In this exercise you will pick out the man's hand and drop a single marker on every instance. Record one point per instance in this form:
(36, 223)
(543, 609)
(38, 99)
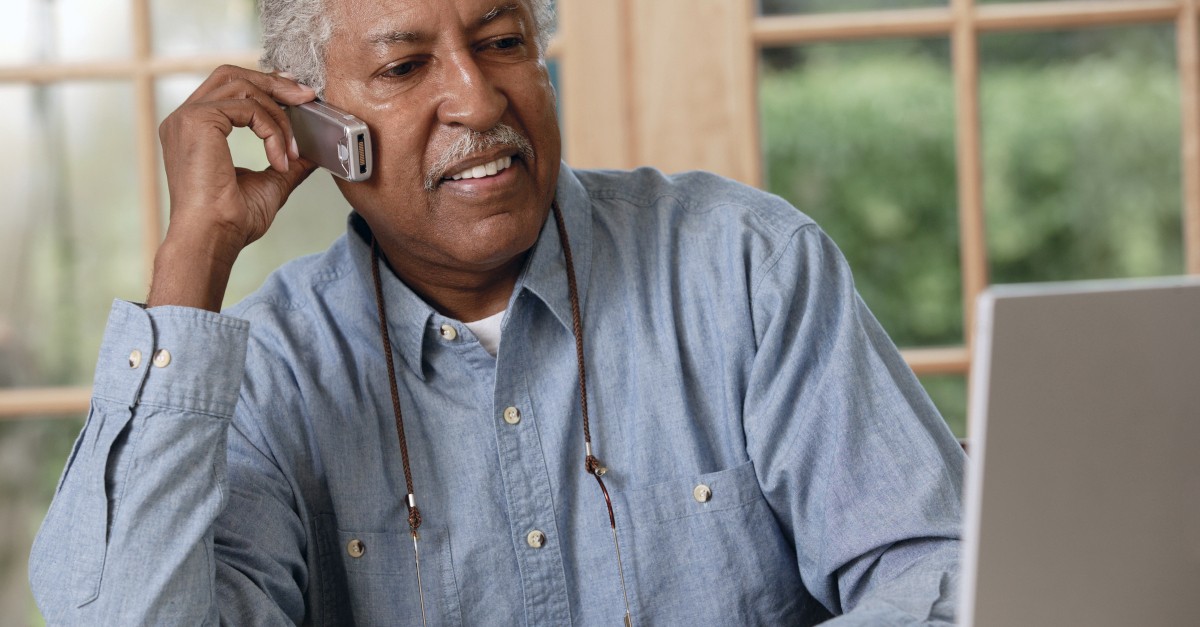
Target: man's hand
(217, 209)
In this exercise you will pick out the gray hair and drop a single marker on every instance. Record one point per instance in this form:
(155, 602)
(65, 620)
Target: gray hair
(296, 32)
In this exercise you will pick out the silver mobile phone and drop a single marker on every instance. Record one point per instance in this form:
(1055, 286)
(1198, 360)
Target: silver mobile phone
(333, 139)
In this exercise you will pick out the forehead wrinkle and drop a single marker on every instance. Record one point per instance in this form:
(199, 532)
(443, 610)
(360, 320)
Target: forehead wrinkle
(392, 37)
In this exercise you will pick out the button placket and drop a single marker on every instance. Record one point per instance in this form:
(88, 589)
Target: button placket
(524, 472)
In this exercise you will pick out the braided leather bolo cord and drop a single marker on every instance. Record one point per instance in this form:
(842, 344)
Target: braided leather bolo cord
(414, 513)
(591, 464)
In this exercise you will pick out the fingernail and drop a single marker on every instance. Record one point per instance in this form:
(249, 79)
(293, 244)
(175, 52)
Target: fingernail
(286, 164)
(295, 149)
(287, 75)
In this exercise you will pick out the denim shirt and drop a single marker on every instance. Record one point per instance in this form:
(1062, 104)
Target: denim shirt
(254, 477)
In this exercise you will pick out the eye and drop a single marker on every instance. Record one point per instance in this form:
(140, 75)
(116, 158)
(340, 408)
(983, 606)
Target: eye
(401, 69)
(507, 43)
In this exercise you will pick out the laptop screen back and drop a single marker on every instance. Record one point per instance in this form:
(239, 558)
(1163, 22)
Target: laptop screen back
(1083, 487)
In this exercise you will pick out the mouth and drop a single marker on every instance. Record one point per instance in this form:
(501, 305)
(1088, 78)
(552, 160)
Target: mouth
(483, 170)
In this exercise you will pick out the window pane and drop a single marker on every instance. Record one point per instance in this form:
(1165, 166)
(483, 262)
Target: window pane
(860, 136)
(47, 30)
(69, 227)
(1082, 155)
(782, 7)
(949, 394)
(189, 27)
(32, 456)
(313, 217)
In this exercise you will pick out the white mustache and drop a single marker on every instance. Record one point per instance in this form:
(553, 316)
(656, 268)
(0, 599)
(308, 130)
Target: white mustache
(472, 142)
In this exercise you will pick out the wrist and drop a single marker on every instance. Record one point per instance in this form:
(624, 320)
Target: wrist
(191, 272)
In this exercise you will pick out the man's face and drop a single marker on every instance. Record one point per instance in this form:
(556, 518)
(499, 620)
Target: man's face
(422, 74)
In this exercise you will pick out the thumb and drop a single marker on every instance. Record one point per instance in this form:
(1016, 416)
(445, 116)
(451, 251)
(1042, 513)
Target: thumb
(285, 182)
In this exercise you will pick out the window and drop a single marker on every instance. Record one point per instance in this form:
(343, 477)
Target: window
(83, 86)
(966, 88)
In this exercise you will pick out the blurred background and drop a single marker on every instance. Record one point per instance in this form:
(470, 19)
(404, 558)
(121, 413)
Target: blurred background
(943, 146)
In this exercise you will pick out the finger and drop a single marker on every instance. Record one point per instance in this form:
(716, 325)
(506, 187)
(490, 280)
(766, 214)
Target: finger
(253, 115)
(244, 89)
(277, 87)
(295, 149)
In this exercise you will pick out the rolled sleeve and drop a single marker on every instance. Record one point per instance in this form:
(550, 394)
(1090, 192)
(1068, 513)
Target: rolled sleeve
(852, 455)
(128, 538)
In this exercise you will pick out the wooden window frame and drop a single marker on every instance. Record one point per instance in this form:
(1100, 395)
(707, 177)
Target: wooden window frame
(613, 44)
(731, 128)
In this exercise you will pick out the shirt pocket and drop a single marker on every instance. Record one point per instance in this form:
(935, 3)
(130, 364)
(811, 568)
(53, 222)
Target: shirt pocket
(370, 578)
(706, 549)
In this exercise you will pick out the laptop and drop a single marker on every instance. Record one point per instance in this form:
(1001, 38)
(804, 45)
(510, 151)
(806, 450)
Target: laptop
(1083, 485)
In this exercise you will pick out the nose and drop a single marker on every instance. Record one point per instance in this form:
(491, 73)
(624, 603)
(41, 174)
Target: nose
(469, 97)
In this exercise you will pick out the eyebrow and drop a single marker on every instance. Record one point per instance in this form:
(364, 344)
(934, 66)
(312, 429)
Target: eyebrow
(497, 11)
(394, 37)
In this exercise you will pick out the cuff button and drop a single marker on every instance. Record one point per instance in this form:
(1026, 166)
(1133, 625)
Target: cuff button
(135, 358)
(162, 358)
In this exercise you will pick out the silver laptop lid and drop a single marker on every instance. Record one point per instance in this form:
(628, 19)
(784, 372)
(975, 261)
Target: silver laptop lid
(1083, 487)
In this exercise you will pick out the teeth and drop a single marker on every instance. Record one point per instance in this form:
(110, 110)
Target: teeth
(487, 169)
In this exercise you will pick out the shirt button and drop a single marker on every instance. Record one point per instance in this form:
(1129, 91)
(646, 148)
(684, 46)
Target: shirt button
(512, 415)
(536, 539)
(449, 332)
(702, 493)
(162, 358)
(135, 358)
(356, 548)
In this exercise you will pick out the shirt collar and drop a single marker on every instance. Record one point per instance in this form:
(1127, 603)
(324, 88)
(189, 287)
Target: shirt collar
(407, 315)
(544, 275)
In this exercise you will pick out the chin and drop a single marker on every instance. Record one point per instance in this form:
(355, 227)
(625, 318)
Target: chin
(496, 242)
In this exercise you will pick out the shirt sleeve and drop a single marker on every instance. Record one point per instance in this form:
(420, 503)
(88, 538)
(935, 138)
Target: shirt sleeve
(851, 454)
(129, 536)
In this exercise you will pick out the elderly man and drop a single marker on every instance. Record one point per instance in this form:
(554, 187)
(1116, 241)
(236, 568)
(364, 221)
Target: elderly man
(512, 393)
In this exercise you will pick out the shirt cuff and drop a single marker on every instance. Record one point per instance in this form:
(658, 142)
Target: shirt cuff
(177, 357)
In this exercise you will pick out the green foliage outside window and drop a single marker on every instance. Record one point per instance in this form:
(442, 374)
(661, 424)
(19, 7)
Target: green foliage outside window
(1081, 166)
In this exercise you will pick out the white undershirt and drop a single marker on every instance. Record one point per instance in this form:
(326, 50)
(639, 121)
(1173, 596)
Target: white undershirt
(488, 332)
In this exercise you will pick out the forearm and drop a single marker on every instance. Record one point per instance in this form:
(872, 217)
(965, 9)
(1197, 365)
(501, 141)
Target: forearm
(128, 538)
(925, 593)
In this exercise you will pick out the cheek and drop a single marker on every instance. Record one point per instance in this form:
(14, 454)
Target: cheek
(398, 154)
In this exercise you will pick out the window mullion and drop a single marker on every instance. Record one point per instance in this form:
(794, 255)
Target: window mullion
(1188, 41)
(147, 136)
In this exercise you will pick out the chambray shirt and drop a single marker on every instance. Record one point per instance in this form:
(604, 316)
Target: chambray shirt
(254, 476)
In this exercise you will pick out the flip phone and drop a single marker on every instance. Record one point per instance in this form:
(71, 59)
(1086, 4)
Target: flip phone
(333, 139)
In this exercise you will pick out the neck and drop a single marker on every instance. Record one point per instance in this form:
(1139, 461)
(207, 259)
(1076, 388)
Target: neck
(462, 295)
